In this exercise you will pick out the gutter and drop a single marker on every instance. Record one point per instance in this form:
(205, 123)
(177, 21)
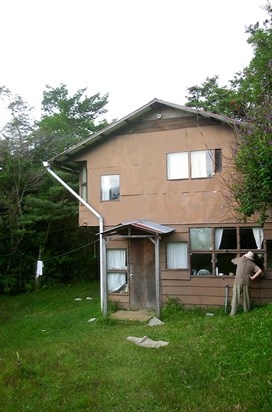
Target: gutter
(103, 289)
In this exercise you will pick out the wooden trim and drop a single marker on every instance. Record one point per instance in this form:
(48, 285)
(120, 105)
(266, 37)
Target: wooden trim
(166, 124)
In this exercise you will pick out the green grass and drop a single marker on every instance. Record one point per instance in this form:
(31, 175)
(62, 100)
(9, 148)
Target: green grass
(52, 359)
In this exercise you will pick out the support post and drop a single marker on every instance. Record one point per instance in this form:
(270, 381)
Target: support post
(157, 275)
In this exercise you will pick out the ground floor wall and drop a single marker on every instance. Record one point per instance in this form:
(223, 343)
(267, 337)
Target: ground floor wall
(214, 288)
(200, 292)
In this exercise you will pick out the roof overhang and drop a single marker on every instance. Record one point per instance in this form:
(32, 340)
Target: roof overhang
(69, 158)
(134, 227)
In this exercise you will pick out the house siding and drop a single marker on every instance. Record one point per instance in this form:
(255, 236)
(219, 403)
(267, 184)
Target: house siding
(138, 154)
(140, 160)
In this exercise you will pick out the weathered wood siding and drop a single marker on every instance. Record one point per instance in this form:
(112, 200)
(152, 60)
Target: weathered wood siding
(138, 154)
(121, 299)
(210, 291)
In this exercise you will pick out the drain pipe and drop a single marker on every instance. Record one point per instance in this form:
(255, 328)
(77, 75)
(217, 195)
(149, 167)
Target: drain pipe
(103, 289)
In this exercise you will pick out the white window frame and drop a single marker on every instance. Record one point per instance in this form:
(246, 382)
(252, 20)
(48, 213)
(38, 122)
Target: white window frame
(197, 164)
(178, 165)
(116, 269)
(201, 164)
(177, 255)
(84, 182)
(110, 187)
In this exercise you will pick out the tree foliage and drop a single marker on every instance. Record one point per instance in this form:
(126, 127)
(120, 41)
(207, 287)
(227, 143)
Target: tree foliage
(67, 120)
(248, 99)
(252, 183)
(209, 96)
(38, 217)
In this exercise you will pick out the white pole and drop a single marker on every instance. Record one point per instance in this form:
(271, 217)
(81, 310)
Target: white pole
(100, 218)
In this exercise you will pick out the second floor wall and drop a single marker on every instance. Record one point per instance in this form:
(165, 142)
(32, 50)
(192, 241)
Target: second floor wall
(168, 176)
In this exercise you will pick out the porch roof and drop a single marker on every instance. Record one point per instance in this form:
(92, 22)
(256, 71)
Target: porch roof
(142, 225)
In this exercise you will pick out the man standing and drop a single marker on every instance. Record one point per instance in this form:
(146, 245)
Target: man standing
(246, 271)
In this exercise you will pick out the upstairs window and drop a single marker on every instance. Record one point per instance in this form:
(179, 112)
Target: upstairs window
(110, 187)
(201, 164)
(83, 182)
(178, 166)
(196, 164)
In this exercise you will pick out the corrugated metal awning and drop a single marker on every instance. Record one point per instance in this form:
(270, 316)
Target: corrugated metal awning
(142, 225)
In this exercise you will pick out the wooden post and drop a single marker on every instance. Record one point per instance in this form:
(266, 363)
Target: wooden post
(157, 275)
(104, 279)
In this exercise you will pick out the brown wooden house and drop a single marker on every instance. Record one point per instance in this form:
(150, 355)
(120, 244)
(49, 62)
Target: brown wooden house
(152, 183)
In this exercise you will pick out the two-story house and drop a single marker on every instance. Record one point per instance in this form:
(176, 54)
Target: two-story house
(153, 184)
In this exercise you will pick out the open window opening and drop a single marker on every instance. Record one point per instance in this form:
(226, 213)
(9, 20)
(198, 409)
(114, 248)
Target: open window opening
(212, 249)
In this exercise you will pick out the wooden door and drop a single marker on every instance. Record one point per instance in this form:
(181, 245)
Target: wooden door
(142, 273)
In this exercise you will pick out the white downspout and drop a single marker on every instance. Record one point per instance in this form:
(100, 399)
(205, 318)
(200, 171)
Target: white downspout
(103, 294)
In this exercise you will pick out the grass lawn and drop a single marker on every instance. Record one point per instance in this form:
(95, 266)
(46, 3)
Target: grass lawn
(52, 359)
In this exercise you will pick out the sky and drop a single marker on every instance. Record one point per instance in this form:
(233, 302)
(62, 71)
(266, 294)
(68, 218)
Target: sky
(134, 50)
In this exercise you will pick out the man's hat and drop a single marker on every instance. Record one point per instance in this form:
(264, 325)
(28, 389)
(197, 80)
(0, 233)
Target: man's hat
(249, 255)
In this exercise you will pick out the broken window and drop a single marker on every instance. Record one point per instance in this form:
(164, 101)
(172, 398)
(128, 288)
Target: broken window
(251, 238)
(225, 238)
(201, 264)
(218, 160)
(269, 253)
(212, 249)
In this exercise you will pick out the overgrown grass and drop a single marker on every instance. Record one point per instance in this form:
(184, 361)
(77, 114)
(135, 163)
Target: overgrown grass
(52, 359)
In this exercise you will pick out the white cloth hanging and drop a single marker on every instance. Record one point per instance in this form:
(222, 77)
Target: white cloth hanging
(39, 268)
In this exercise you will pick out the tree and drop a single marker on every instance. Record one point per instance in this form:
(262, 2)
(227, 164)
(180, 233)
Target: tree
(251, 184)
(209, 96)
(248, 98)
(18, 178)
(38, 217)
(254, 84)
(249, 87)
(67, 120)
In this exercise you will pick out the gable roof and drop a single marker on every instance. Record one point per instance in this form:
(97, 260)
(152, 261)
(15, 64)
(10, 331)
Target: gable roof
(67, 157)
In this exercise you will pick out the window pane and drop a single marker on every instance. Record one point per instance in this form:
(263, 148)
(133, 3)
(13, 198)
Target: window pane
(224, 265)
(84, 192)
(269, 253)
(248, 240)
(116, 259)
(201, 238)
(177, 166)
(201, 264)
(110, 187)
(177, 255)
(259, 260)
(225, 238)
(83, 182)
(84, 174)
(117, 282)
(201, 163)
(218, 160)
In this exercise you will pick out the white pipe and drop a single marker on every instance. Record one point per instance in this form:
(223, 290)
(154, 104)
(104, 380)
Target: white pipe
(103, 295)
